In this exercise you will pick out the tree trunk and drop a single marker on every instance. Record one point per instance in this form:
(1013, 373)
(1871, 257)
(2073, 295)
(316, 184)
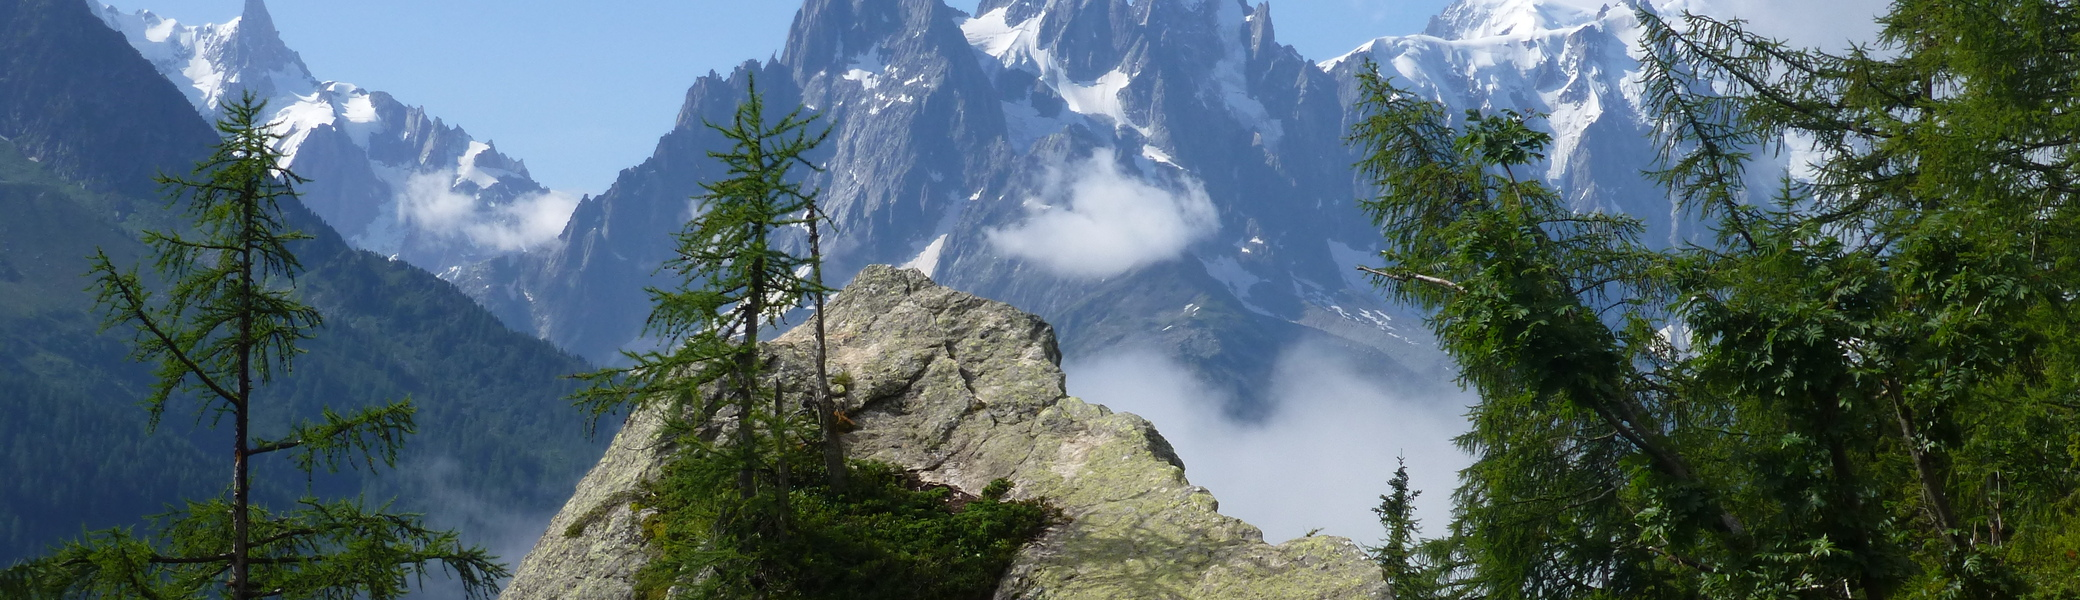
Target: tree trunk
(747, 375)
(241, 486)
(826, 410)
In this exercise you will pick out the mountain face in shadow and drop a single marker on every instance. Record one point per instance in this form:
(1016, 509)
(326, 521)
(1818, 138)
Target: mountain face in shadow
(1160, 174)
(389, 177)
(86, 123)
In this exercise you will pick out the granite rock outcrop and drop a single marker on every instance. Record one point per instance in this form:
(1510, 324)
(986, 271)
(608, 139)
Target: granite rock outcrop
(964, 391)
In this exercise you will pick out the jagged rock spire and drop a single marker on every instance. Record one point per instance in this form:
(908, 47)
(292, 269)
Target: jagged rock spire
(256, 22)
(253, 57)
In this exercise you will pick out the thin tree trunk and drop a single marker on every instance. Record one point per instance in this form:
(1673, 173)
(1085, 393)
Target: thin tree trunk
(1926, 472)
(781, 473)
(241, 486)
(826, 410)
(747, 374)
(1628, 421)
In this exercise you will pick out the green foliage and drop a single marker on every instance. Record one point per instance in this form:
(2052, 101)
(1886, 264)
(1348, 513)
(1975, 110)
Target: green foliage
(333, 551)
(886, 536)
(735, 279)
(1416, 569)
(1862, 388)
(754, 504)
(489, 431)
(230, 321)
(733, 275)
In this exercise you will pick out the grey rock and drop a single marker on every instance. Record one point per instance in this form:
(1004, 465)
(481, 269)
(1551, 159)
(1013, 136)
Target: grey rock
(938, 143)
(965, 391)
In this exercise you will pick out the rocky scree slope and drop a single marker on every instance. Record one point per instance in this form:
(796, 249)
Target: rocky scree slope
(964, 391)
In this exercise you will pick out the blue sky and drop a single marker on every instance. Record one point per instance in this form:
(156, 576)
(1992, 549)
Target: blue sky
(581, 90)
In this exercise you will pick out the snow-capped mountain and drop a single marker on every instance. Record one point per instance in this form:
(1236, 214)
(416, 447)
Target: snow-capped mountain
(1153, 174)
(389, 177)
(1160, 174)
(1574, 61)
(1150, 173)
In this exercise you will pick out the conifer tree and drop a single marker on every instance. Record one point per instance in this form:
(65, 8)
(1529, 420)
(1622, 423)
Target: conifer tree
(1416, 569)
(1860, 388)
(228, 323)
(736, 279)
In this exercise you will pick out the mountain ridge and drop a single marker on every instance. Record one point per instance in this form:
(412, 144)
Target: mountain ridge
(954, 129)
(88, 122)
(391, 177)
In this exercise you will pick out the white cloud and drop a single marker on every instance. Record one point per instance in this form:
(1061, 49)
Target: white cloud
(1320, 460)
(506, 532)
(1106, 222)
(527, 222)
(430, 204)
(1830, 25)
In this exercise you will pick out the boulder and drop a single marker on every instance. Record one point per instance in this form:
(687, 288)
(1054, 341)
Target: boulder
(965, 391)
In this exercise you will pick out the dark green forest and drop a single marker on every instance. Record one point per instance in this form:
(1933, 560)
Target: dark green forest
(77, 452)
(496, 438)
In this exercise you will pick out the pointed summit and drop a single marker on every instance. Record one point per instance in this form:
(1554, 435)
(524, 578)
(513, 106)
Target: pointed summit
(251, 55)
(256, 22)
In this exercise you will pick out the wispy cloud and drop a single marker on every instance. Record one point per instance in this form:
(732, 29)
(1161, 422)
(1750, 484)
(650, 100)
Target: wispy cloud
(505, 531)
(1091, 220)
(430, 203)
(1323, 456)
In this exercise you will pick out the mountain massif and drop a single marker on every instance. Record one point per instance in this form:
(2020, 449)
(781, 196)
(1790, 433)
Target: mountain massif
(389, 177)
(85, 123)
(1161, 174)
(1157, 174)
(1147, 174)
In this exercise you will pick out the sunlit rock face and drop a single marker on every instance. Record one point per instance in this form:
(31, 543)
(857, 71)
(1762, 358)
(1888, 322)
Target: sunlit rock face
(1158, 174)
(965, 391)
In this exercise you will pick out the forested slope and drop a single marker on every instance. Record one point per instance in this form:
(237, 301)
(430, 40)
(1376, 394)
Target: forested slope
(84, 119)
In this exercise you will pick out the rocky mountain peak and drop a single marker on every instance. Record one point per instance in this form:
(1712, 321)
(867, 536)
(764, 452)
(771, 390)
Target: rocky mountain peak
(388, 176)
(250, 54)
(1089, 38)
(963, 391)
(841, 34)
(256, 24)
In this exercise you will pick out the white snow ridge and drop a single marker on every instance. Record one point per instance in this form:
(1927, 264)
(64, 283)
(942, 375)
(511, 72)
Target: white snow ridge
(390, 178)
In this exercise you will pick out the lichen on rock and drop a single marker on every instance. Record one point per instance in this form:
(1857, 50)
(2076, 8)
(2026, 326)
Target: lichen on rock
(965, 391)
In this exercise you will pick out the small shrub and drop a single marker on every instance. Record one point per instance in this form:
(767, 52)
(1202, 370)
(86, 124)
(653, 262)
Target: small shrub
(888, 536)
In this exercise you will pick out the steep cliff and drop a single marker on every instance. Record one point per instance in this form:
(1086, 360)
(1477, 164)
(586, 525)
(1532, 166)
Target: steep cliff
(966, 390)
(1160, 173)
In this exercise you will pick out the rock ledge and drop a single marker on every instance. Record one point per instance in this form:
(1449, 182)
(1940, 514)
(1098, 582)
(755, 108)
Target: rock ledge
(966, 391)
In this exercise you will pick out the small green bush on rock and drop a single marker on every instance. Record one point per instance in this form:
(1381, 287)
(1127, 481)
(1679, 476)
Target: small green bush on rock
(887, 536)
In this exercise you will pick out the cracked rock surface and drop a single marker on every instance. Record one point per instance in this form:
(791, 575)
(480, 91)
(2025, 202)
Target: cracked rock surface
(967, 390)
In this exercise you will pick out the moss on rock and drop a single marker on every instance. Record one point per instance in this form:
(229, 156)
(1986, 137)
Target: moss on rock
(966, 391)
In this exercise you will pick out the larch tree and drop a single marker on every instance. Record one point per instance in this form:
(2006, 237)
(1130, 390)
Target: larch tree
(737, 279)
(1863, 386)
(228, 323)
